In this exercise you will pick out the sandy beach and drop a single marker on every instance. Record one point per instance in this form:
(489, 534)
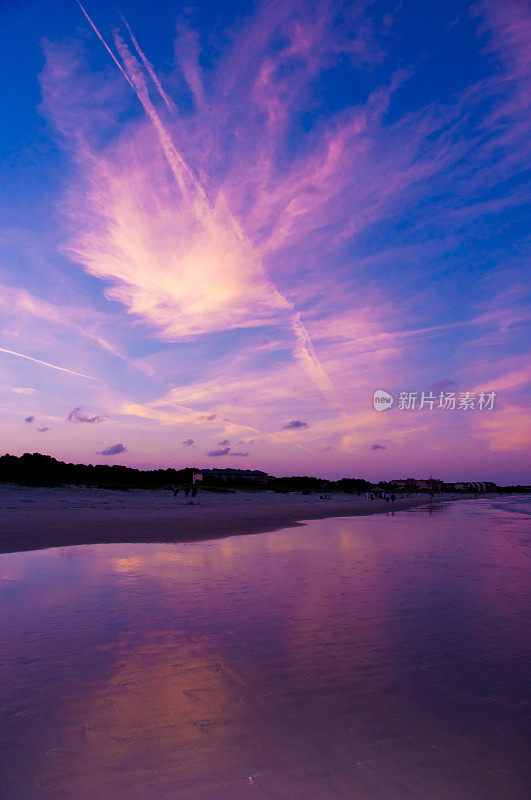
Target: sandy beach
(36, 518)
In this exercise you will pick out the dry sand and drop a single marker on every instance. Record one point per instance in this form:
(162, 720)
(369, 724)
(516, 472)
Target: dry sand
(37, 518)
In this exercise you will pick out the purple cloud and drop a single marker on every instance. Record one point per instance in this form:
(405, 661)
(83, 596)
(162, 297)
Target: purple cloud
(77, 416)
(294, 425)
(224, 443)
(113, 450)
(241, 455)
(224, 451)
(188, 442)
(43, 430)
(443, 385)
(29, 420)
(378, 447)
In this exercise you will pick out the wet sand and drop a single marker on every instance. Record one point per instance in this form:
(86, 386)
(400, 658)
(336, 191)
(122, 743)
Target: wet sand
(34, 518)
(383, 657)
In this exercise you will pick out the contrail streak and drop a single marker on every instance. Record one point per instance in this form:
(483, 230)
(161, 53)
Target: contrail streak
(47, 364)
(176, 162)
(169, 103)
(307, 355)
(304, 350)
(106, 46)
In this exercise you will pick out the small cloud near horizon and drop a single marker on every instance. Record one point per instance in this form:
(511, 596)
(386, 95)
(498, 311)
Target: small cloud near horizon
(29, 420)
(43, 430)
(188, 442)
(224, 451)
(378, 447)
(77, 416)
(113, 450)
(224, 443)
(294, 425)
(441, 386)
(209, 417)
(242, 455)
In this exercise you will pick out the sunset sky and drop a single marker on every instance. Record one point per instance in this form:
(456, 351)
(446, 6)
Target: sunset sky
(224, 226)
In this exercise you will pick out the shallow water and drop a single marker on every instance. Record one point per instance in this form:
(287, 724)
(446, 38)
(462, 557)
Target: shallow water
(372, 658)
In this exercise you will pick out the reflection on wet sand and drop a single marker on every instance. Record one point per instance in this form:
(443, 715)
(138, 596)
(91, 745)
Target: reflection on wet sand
(370, 658)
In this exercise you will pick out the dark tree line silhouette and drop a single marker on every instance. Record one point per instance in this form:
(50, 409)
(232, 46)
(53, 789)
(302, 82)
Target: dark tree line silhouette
(35, 469)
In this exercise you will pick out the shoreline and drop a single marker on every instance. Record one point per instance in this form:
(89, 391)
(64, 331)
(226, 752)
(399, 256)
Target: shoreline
(38, 519)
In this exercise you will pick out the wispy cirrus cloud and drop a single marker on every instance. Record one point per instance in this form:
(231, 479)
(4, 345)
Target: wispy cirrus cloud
(189, 269)
(204, 273)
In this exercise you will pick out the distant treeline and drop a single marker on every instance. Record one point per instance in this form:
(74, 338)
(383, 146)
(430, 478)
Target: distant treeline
(301, 483)
(34, 469)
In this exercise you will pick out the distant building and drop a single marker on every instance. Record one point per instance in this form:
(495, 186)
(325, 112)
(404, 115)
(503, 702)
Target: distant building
(416, 485)
(436, 485)
(475, 486)
(404, 484)
(235, 475)
(430, 485)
